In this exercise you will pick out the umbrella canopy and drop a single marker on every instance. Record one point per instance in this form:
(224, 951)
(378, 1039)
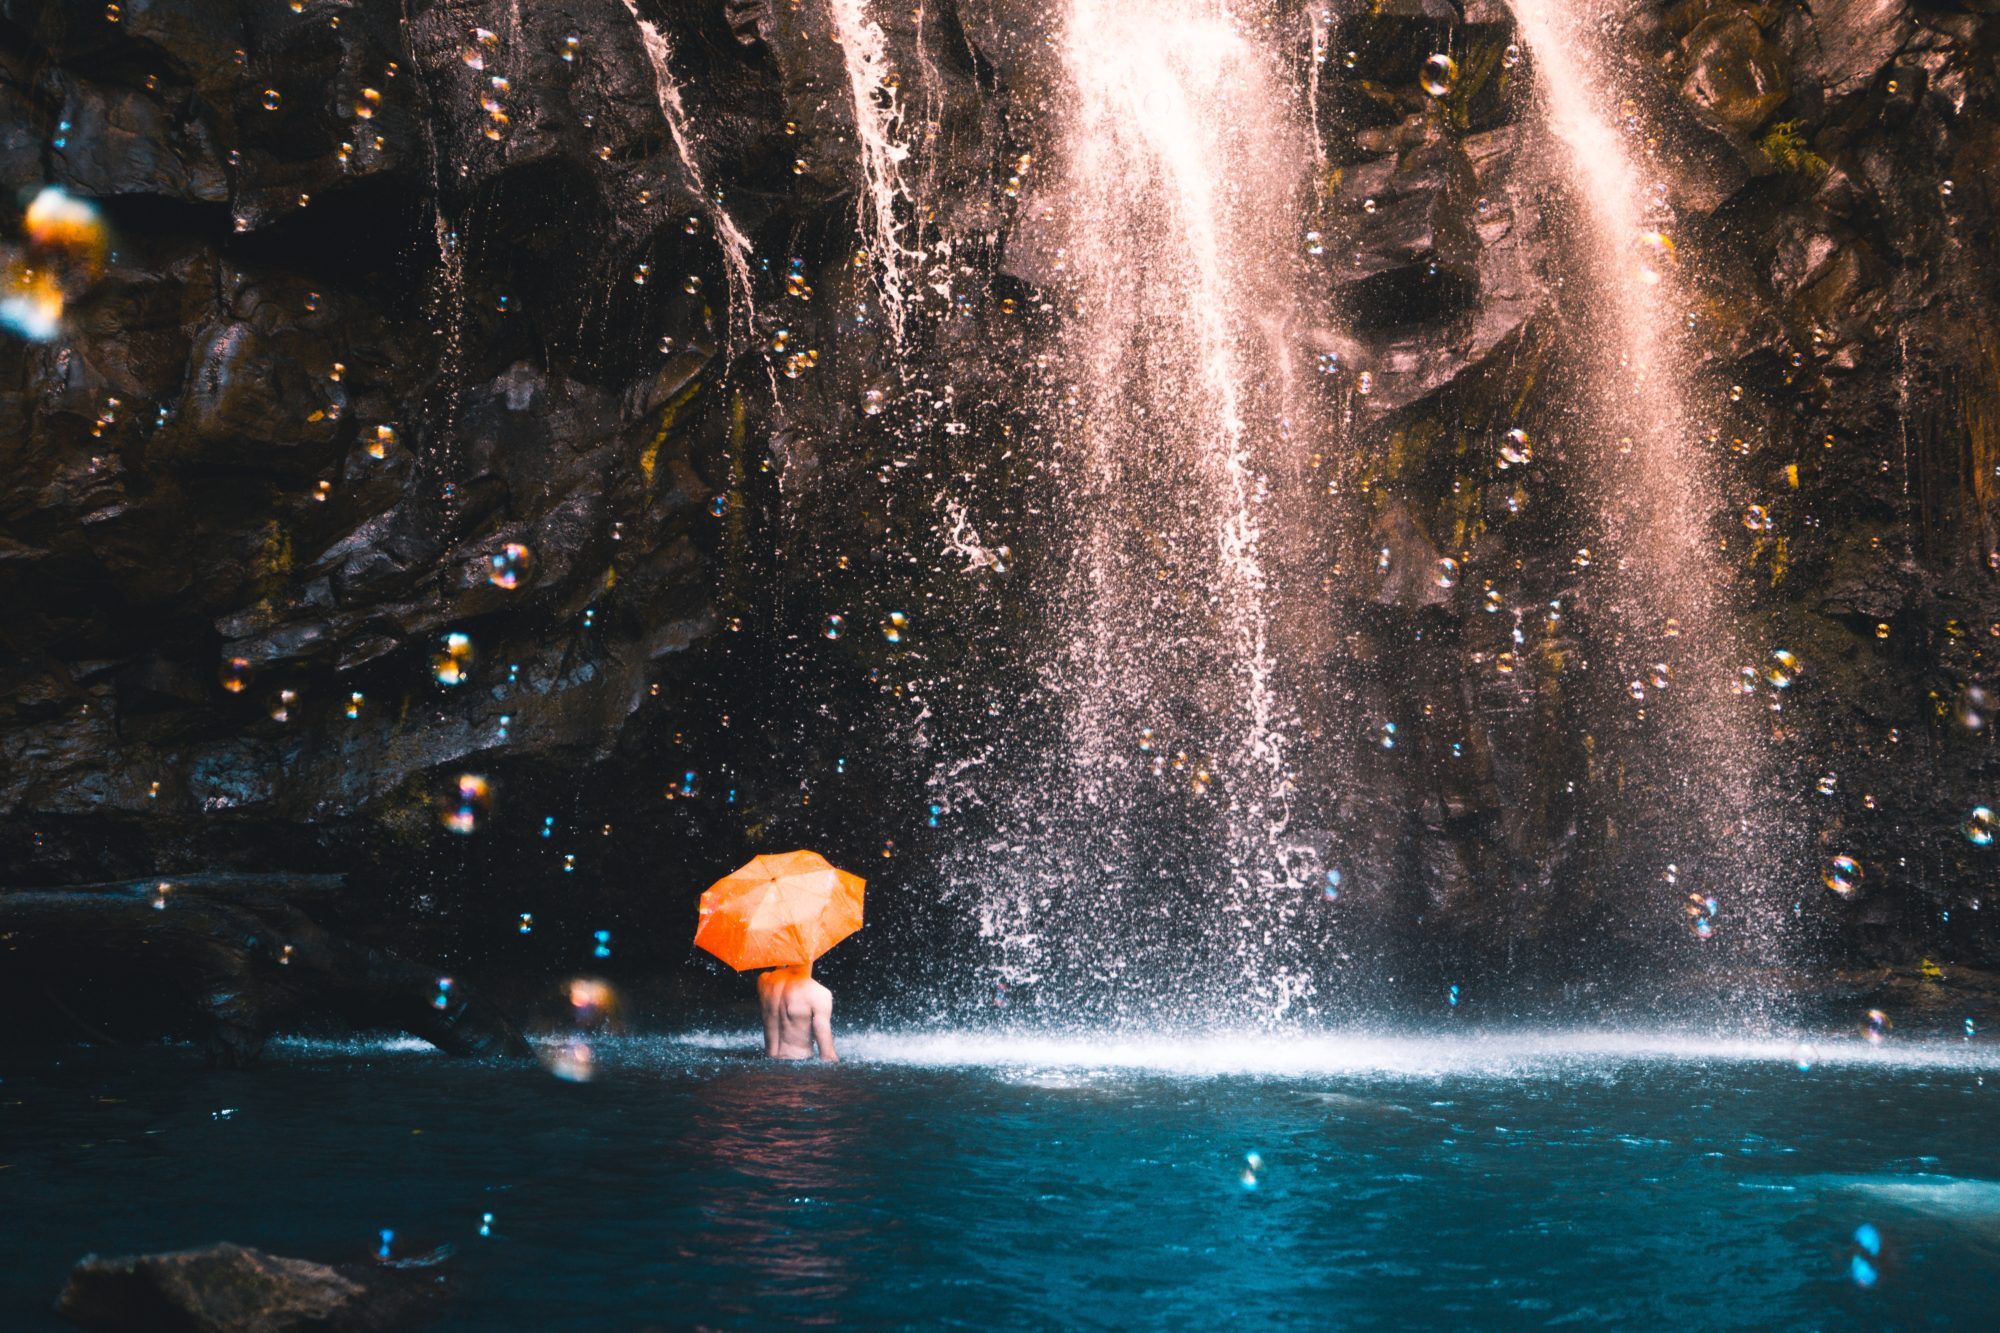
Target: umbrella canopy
(779, 911)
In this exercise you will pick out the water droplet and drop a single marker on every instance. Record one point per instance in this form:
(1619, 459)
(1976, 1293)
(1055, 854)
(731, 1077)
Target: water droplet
(835, 626)
(451, 664)
(1439, 73)
(510, 566)
(466, 804)
(1842, 876)
(1978, 826)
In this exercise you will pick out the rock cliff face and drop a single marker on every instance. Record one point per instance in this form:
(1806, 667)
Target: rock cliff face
(431, 319)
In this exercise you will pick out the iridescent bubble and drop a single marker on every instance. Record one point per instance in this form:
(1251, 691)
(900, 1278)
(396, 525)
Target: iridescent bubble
(1827, 784)
(1147, 740)
(466, 805)
(1253, 1166)
(1661, 675)
(718, 505)
(1511, 56)
(385, 436)
(873, 401)
(894, 626)
(273, 99)
(1491, 601)
(511, 565)
(1876, 1027)
(1329, 889)
(1516, 448)
(1756, 518)
(1842, 876)
(1971, 708)
(1700, 911)
(235, 674)
(1863, 1262)
(835, 626)
(1978, 826)
(1747, 680)
(451, 664)
(1315, 243)
(1804, 1056)
(1783, 670)
(1655, 251)
(1446, 573)
(1439, 73)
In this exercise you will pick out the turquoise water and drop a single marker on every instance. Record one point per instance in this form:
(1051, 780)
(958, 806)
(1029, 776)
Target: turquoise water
(1017, 1182)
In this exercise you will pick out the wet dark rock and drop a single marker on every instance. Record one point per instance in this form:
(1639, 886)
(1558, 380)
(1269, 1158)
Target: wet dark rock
(225, 1288)
(1735, 79)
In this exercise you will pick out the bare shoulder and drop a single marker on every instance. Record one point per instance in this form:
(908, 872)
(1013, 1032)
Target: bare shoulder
(820, 994)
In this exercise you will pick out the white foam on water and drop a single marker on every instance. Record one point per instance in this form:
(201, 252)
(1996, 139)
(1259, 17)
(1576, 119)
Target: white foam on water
(1311, 1055)
(1955, 1198)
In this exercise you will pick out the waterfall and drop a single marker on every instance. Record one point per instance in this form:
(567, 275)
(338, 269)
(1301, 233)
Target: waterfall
(1183, 159)
(1659, 499)
(877, 127)
(735, 245)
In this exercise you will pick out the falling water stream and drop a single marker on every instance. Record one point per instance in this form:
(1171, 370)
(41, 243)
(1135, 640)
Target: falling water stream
(1676, 648)
(1182, 162)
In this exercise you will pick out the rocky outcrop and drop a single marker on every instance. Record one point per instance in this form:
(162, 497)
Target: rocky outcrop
(228, 1288)
(428, 322)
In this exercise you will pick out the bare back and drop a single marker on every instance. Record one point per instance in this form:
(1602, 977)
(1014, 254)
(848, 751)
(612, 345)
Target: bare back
(798, 1014)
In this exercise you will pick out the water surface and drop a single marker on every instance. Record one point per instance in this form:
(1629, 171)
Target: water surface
(1032, 1181)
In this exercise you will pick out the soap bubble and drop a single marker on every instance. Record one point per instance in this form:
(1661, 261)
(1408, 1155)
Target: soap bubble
(1661, 675)
(67, 247)
(1842, 875)
(1747, 680)
(1446, 574)
(451, 664)
(1491, 600)
(1804, 1056)
(873, 401)
(1439, 73)
(385, 436)
(1784, 669)
(1756, 518)
(236, 674)
(1656, 255)
(1315, 243)
(511, 565)
(466, 805)
(835, 626)
(1978, 826)
(273, 99)
(1700, 911)
(1970, 709)
(1827, 784)
(718, 505)
(1516, 449)
(1329, 889)
(1876, 1027)
(1863, 1262)
(1253, 1166)
(1147, 740)
(1511, 56)
(894, 626)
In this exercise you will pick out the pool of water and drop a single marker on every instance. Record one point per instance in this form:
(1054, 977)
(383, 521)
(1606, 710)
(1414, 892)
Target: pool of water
(1017, 1181)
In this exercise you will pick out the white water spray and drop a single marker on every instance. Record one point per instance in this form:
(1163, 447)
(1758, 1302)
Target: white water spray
(735, 245)
(878, 117)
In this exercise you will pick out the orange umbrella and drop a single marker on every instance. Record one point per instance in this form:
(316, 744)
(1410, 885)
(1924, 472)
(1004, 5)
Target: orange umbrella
(779, 911)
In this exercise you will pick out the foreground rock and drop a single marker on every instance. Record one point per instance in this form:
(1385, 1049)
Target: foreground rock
(227, 1288)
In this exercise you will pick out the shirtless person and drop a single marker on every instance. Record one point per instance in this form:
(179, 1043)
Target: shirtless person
(798, 1013)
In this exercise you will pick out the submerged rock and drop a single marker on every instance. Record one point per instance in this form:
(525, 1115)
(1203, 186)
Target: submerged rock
(227, 1288)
